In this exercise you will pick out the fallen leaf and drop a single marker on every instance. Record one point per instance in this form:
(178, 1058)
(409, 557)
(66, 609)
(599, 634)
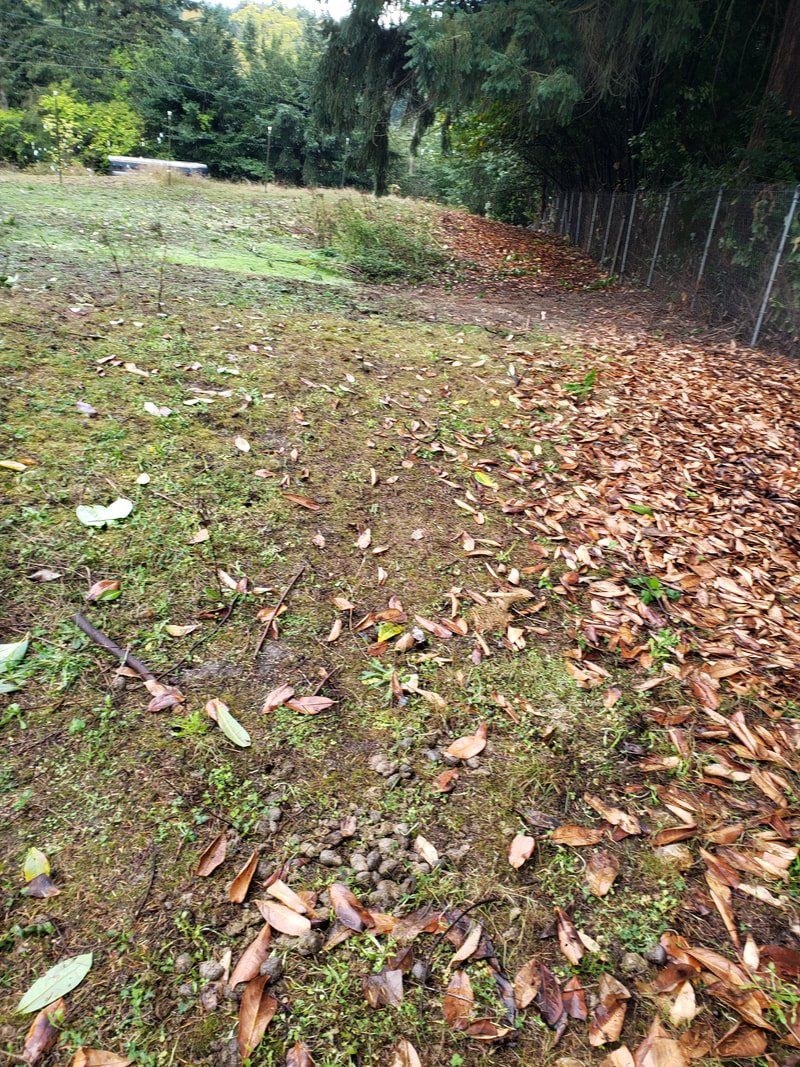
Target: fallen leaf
(95, 1057)
(256, 1012)
(310, 705)
(469, 947)
(405, 1055)
(286, 895)
(571, 945)
(237, 891)
(105, 590)
(305, 502)
(526, 983)
(426, 850)
(620, 1057)
(45, 574)
(198, 538)
(616, 816)
(364, 539)
(283, 919)
(458, 1000)
(242, 444)
(659, 1050)
(465, 748)
(213, 856)
(41, 887)
(43, 1032)
(34, 864)
(684, 1007)
(55, 983)
(277, 697)
(446, 781)
(348, 908)
(232, 729)
(249, 963)
(574, 999)
(384, 989)
(609, 1015)
(99, 516)
(299, 1056)
(741, 1042)
(602, 869)
(521, 850)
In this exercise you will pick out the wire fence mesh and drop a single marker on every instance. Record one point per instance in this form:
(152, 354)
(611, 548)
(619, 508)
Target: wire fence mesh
(732, 255)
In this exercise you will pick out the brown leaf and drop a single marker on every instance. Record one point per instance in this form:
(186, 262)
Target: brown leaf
(469, 946)
(742, 1042)
(249, 963)
(620, 1057)
(466, 747)
(405, 1055)
(684, 1007)
(299, 1056)
(384, 989)
(348, 908)
(521, 850)
(574, 999)
(446, 781)
(568, 940)
(41, 887)
(107, 585)
(256, 1011)
(277, 697)
(458, 1000)
(486, 1030)
(95, 1057)
(616, 816)
(286, 895)
(43, 1032)
(549, 1000)
(237, 891)
(302, 501)
(310, 705)
(601, 870)
(659, 1050)
(434, 628)
(283, 919)
(427, 850)
(526, 983)
(213, 856)
(609, 1015)
(576, 836)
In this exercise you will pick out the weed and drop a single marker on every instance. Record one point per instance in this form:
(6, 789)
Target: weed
(662, 645)
(650, 589)
(583, 389)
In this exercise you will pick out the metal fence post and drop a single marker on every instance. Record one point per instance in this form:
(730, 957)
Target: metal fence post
(578, 218)
(658, 239)
(617, 244)
(628, 235)
(608, 228)
(787, 225)
(591, 224)
(703, 261)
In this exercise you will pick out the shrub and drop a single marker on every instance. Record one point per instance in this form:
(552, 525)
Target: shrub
(384, 249)
(16, 140)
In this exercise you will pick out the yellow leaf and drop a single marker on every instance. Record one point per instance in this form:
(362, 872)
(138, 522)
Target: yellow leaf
(35, 863)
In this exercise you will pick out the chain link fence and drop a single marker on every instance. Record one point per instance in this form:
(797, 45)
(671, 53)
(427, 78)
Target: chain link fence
(732, 255)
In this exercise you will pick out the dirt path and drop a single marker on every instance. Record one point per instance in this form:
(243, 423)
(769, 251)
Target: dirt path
(540, 523)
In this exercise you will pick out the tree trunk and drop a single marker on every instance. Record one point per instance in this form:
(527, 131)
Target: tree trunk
(783, 83)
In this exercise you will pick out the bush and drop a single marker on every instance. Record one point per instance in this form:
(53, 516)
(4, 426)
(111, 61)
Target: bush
(383, 249)
(16, 140)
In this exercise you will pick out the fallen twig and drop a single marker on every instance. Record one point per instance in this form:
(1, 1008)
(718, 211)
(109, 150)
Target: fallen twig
(106, 643)
(275, 611)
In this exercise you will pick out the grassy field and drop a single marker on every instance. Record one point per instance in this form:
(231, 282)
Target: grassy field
(215, 355)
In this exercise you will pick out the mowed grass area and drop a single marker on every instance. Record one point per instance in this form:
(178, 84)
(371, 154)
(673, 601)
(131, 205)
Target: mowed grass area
(221, 307)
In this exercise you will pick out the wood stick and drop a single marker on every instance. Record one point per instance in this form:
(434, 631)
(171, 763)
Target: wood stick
(277, 608)
(110, 646)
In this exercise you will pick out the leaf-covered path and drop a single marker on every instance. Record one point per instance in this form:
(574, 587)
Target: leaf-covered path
(467, 618)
